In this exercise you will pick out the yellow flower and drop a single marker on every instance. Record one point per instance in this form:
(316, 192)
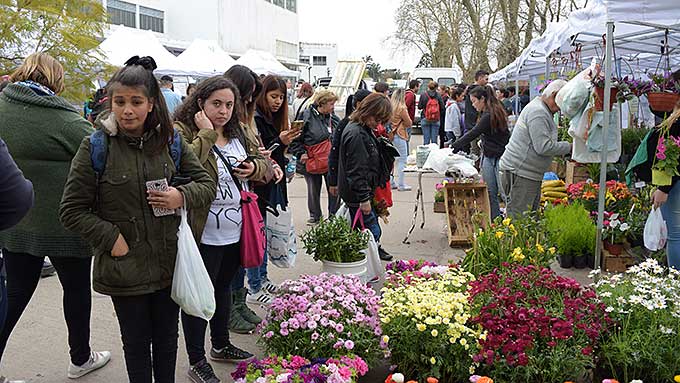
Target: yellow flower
(433, 360)
(434, 332)
(512, 227)
(540, 248)
(421, 327)
(499, 234)
(463, 341)
(517, 254)
(507, 221)
(551, 250)
(677, 378)
(385, 339)
(452, 340)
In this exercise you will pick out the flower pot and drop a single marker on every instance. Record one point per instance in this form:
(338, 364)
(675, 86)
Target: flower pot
(599, 98)
(663, 102)
(614, 248)
(661, 178)
(566, 261)
(439, 207)
(591, 261)
(635, 242)
(581, 262)
(358, 268)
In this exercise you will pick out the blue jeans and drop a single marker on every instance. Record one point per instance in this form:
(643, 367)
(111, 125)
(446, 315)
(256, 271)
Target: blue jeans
(3, 295)
(256, 276)
(430, 131)
(370, 222)
(402, 147)
(671, 214)
(490, 176)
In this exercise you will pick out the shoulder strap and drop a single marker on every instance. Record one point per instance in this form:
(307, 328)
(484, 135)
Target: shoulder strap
(300, 107)
(98, 151)
(176, 149)
(229, 167)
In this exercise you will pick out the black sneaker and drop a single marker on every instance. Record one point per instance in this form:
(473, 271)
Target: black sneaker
(202, 372)
(384, 255)
(48, 270)
(230, 353)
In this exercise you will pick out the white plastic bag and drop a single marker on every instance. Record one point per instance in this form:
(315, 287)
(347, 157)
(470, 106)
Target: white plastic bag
(573, 97)
(281, 239)
(343, 212)
(655, 231)
(374, 268)
(192, 288)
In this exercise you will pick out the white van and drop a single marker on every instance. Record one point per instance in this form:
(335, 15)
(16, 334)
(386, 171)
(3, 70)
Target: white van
(443, 76)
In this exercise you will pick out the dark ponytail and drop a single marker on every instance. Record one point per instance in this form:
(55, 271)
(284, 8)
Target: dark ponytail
(138, 73)
(499, 118)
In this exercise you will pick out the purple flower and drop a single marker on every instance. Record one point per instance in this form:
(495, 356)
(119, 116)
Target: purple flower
(349, 344)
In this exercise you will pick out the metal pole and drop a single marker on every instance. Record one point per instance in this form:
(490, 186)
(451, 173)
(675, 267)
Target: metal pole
(516, 96)
(605, 131)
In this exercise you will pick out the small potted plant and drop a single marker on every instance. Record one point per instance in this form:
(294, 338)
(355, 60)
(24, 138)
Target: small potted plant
(340, 248)
(614, 232)
(439, 205)
(598, 92)
(666, 158)
(573, 233)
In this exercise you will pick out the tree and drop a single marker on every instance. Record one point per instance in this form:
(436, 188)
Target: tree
(68, 30)
(425, 61)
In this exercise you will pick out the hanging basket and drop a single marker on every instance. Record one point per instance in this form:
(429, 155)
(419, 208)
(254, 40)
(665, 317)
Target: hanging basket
(599, 98)
(662, 101)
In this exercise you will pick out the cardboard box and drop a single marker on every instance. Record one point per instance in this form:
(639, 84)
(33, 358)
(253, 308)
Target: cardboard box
(617, 263)
(466, 204)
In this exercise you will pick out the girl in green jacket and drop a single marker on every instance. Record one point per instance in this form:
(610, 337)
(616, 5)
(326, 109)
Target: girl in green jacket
(134, 240)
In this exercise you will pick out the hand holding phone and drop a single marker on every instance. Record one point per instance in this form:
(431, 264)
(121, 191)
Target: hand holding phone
(273, 147)
(155, 199)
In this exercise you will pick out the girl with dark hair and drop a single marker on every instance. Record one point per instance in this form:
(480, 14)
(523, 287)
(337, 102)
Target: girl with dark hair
(271, 119)
(492, 126)
(43, 131)
(249, 86)
(110, 205)
(208, 120)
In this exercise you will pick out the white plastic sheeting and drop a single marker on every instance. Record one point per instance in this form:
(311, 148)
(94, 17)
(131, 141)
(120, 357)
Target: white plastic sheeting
(125, 42)
(203, 58)
(262, 62)
(637, 39)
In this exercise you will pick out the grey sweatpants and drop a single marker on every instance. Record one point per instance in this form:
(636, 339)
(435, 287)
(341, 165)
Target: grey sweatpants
(522, 194)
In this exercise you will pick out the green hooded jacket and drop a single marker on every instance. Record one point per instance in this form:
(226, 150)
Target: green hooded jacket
(124, 209)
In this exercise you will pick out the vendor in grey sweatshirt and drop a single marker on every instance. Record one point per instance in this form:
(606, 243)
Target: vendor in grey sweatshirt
(528, 155)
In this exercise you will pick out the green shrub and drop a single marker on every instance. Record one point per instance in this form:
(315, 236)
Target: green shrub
(571, 229)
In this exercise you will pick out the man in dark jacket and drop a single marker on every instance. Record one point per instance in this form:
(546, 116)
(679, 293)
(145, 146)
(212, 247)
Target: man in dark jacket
(16, 199)
(430, 128)
(481, 79)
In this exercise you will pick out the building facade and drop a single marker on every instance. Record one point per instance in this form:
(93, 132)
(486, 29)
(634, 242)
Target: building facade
(318, 60)
(237, 25)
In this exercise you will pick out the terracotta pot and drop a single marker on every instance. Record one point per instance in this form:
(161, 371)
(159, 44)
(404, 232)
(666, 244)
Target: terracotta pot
(661, 178)
(662, 101)
(614, 248)
(599, 98)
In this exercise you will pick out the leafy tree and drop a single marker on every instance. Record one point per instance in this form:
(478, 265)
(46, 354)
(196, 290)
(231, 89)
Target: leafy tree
(68, 30)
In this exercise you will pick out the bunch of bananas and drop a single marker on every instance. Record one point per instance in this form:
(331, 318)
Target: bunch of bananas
(552, 191)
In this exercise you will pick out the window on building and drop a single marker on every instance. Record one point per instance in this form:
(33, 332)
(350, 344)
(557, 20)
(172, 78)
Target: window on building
(319, 61)
(121, 12)
(291, 5)
(286, 49)
(304, 59)
(280, 3)
(151, 19)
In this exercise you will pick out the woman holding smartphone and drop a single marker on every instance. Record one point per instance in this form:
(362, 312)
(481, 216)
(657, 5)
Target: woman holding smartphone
(208, 120)
(107, 201)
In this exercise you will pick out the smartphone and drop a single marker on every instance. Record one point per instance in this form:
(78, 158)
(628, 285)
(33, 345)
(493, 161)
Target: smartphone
(159, 185)
(273, 147)
(247, 159)
(297, 125)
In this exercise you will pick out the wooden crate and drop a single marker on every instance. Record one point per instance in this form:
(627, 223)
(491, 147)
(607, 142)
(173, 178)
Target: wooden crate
(559, 168)
(575, 173)
(439, 207)
(617, 263)
(464, 202)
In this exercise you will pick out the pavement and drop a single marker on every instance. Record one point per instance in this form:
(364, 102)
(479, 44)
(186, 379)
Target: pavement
(37, 351)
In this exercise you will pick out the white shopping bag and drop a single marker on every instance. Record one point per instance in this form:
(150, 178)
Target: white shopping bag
(192, 288)
(281, 239)
(374, 268)
(343, 212)
(655, 231)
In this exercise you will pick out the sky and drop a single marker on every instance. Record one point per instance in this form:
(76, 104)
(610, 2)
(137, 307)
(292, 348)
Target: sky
(351, 24)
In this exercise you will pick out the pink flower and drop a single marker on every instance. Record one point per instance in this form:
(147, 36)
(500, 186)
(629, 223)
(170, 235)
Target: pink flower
(349, 344)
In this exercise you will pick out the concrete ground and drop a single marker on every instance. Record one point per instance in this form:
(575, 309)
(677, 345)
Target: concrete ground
(37, 350)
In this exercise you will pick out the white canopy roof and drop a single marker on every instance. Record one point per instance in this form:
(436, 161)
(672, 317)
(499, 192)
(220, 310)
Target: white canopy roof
(203, 58)
(125, 42)
(638, 38)
(262, 62)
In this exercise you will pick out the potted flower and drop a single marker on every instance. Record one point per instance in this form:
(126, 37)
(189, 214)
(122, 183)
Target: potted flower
(346, 369)
(340, 248)
(666, 158)
(598, 92)
(324, 315)
(664, 93)
(439, 196)
(614, 232)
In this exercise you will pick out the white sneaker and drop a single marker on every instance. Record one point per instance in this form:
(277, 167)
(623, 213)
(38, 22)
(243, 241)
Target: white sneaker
(98, 359)
(259, 298)
(270, 287)
(5, 380)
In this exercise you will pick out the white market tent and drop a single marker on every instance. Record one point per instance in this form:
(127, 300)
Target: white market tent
(203, 58)
(262, 62)
(125, 42)
(630, 35)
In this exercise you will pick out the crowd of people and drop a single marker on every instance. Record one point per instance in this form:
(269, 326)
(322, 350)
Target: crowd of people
(82, 195)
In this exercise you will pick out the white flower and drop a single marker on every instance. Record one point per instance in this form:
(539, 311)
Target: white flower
(636, 381)
(614, 217)
(609, 309)
(614, 223)
(666, 330)
(398, 378)
(624, 227)
(606, 294)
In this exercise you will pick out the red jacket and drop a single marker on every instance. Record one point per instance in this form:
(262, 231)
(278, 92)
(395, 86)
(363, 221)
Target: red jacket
(411, 104)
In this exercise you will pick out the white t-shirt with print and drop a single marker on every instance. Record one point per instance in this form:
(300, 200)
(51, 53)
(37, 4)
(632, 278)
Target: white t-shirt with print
(224, 219)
